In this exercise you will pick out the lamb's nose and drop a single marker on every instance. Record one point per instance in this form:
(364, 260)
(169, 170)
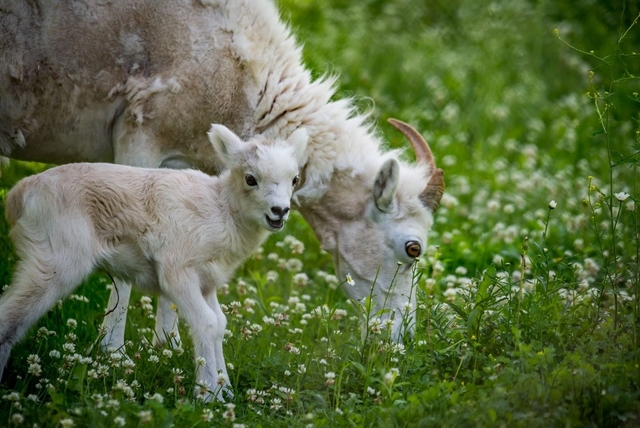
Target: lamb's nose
(279, 211)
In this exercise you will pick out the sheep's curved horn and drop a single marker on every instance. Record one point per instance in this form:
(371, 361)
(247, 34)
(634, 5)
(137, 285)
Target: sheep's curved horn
(432, 194)
(420, 146)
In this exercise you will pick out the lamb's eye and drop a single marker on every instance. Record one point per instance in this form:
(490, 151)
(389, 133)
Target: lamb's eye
(251, 180)
(413, 249)
(295, 180)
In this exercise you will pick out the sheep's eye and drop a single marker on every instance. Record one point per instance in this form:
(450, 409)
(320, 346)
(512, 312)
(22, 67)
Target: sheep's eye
(413, 249)
(295, 180)
(251, 180)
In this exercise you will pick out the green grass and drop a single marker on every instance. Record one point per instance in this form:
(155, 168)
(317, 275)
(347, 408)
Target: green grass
(528, 316)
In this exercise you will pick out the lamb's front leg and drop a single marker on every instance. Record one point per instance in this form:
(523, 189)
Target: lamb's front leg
(115, 320)
(212, 300)
(183, 287)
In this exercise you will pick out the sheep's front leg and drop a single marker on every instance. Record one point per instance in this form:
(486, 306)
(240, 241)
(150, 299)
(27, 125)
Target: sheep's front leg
(183, 287)
(166, 323)
(116, 317)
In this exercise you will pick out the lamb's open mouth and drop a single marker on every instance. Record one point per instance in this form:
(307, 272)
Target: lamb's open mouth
(276, 224)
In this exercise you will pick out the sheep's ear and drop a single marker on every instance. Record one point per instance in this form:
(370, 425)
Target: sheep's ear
(384, 188)
(225, 143)
(299, 139)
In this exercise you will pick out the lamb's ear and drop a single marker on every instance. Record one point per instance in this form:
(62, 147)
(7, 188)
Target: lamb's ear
(384, 188)
(225, 143)
(299, 139)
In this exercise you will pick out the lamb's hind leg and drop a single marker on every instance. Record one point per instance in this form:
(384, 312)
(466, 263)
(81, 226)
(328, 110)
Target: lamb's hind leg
(35, 289)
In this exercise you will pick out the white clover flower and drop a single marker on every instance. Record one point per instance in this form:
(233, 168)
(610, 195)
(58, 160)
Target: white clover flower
(552, 205)
(268, 320)
(461, 271)
(68, 422)
(71, 323)
(13, 396)
(450, 292)
(276, 403)
(294, 265)
(331, 279)
(207, 415)
(338, 314)
(153, 358)
(69, 347)
(493, 206)
(167, 353)
(292, 349)
(119, 421)
(389, 377)
(157, 397)
(35, 369)
(222, 379)
(300, 279)
(229, 415)
(621, 196)
(145, 416)
(17, 418)
(200, 361)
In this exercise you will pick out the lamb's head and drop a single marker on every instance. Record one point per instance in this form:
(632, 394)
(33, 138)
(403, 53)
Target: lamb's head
(375, 226)
(264, 172)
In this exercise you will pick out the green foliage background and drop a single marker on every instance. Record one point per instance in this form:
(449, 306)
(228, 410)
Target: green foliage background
(518, 114)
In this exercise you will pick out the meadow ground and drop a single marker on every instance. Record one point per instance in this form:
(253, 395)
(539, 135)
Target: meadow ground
(528, 294)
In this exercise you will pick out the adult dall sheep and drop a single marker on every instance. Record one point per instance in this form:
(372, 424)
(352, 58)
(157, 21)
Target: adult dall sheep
(177, 233)
(138, 82)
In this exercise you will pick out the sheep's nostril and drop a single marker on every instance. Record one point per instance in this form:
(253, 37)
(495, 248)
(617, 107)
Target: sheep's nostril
(279, 211)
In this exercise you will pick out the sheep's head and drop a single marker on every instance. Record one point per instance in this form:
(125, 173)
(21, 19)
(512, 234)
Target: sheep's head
(264, 171)
(375, 225)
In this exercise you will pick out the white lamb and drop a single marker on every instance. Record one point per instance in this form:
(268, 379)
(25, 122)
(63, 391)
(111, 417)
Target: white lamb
(177, 233)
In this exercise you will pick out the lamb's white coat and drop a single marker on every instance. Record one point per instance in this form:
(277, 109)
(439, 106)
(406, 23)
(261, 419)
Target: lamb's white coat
(138, 82)
(177, 233)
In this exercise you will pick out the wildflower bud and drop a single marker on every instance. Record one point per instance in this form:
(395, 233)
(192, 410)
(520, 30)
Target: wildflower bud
(552, 205)
(350, 280)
